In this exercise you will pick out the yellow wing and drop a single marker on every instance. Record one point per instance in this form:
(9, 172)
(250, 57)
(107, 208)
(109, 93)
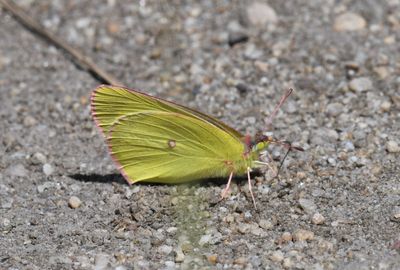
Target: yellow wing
(165, 147)
(112, 102)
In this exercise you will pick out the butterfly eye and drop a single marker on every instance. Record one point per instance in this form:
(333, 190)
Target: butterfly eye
(260, 146)
(171, 143)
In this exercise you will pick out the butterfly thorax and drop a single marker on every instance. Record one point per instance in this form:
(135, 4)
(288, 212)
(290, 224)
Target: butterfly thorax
(251, 154)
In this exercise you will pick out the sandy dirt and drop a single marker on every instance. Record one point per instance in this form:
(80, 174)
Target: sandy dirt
(63, 204)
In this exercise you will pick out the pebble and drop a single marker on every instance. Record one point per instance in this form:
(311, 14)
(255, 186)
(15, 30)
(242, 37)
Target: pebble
(29, 121)
(334, 109)
(7, 203)
(307, 205)
(392, 147)
(382, 72)
(332, 161)
(349, 146)
(277, 256)
(396, 213)
(360, 84)
(318, 219)
(172, 230)
(303, 235)
(256, 230)
(101, 262)
(170, 264)
(213, 258)
(243, 228)
(179, 257)
(240, 261)
(205, 239)
(288, 263)
(349, 22)
(259, 14)
(261, 66)
(17, 170)
(75, 188)
(236, 38)
(74, 202)
(6, 222)
(323, 135)
(243, 89)
(251, 52)
(38, 158)
(265, 224)
(165, 249)
(301, 175)
(385, 106)
(44, 186)
(47, 169)
(285, 237)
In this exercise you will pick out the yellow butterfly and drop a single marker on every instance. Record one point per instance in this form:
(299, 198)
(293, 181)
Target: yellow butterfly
(154, 140)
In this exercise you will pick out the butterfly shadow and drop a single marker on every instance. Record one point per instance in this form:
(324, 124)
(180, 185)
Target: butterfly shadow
(99, 178)
(106, 179)
(119, 179)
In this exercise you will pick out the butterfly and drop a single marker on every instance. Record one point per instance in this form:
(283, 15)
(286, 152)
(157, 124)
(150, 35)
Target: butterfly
(154, 140)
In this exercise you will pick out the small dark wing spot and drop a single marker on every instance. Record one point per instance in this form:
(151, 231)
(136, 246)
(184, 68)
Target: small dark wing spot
(171, 143)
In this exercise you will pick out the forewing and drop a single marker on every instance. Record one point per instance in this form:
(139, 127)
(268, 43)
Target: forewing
(112, 102)
(167, 147)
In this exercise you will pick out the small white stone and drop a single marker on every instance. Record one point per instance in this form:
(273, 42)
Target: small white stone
(74, 202)
(38, 158)
(172, 230)
(6, 222)
(29, 121)
(349, 22)
(179, 257)
(318, 219)
(360, 84)
(260, 14)
(392, 147)
(47, 169)
(277, 256)
(385, 106)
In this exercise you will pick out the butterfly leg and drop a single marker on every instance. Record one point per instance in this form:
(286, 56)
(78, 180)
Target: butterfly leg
(275, 172)
(250, 188)
(228, 185)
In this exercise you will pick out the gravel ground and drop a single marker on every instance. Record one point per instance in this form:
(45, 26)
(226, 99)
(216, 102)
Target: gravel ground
(63, 205)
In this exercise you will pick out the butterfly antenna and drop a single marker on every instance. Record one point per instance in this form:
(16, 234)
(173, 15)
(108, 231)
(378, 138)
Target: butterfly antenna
(278, 106)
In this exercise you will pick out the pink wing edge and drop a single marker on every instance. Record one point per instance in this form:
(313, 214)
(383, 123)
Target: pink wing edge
(115, 160)
(93, 111)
